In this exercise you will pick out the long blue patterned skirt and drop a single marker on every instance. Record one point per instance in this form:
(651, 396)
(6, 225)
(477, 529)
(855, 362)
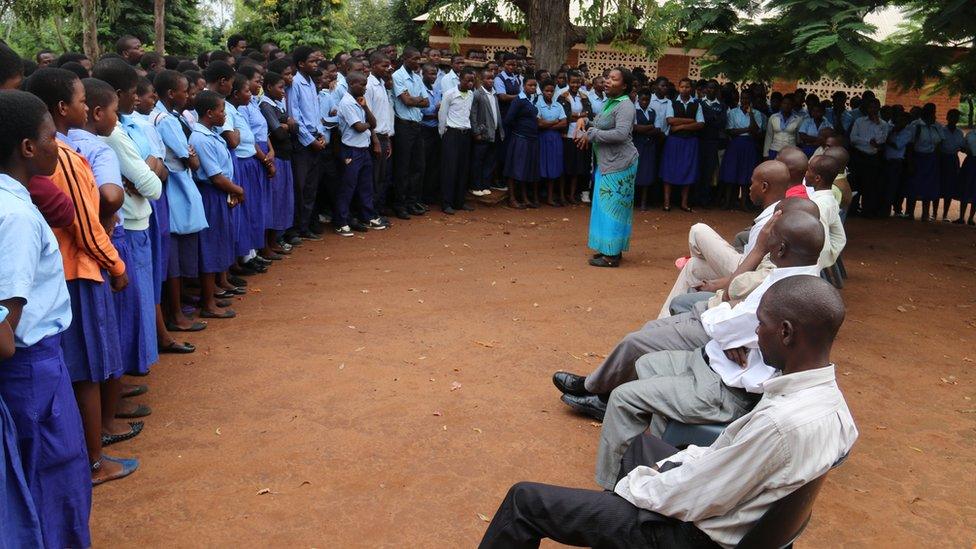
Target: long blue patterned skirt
(612, 211)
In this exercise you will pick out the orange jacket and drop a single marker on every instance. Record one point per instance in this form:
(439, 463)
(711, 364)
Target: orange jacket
(85, 247)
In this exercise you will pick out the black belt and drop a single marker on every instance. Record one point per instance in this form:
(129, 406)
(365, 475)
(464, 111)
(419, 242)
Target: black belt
(408, 122)
(462, 130)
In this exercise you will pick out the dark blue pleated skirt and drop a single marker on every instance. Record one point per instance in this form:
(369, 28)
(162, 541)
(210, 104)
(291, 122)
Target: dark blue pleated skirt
(949, 175)
(184, 255)
(679, 165)
(18, 515)
(134, 305)
(740, 159)
(250, 221)
(91, 345)
(282, 196)
(522, 159)
(646, 162)
(36, 388)
(967, 180)
(159, 244)
(217, 240)
(925, 180)
(550, 154)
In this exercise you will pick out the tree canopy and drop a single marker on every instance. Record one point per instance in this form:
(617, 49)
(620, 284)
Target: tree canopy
(289, 23)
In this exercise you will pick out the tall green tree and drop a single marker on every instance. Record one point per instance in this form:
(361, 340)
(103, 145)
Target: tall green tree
(289, 23)
(184, 32)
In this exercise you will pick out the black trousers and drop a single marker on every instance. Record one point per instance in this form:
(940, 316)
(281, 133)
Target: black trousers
(869, 181)
(408, 163)
(482, 164)
(431, 186)
(330, 179)
(455, 166)
(590, 518)
(382, 172)
(305, 167)
(707, 166)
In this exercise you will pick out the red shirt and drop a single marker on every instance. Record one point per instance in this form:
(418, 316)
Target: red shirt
(56, 207)
(797, 191)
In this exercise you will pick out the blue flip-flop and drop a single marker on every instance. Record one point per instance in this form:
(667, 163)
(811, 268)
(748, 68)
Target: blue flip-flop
(129, 466)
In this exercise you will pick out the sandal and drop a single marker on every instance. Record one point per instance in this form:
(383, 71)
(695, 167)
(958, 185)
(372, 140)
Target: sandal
(229, 313)
(605, 261)
(238, 291)
(177, 348)
(129, 391)
(224, 294)
(135, 427)
(141, 411)
(195, 327)
(129, 466)
(689, 210)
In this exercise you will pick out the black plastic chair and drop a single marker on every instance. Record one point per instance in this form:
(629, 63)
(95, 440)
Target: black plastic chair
(785, 520)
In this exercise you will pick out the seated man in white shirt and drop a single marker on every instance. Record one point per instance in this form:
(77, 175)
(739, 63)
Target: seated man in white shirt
(711, 497)
(821, 173)
(720, 382)
(684, 332)
(712, 257)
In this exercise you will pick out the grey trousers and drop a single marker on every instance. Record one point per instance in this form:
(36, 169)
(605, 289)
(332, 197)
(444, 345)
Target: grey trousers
(674, 333)
(740, 240)
(686, 302)
(671, 385)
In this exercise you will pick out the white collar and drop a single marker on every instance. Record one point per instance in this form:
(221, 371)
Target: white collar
(796, 382)
(767, 213)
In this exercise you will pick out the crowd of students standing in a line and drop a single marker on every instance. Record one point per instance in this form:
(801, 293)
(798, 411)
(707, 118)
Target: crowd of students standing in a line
(164, 182)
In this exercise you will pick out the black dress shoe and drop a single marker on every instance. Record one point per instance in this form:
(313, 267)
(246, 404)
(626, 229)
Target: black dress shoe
(448, 210)
(423, 206)
(401, 214)
(237, 281)
(590, 406)
(467, 208)
(358, 227)
(570, 384)
(416, 209)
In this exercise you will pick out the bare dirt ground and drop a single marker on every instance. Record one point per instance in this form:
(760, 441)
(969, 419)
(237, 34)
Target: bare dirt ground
(385, 391)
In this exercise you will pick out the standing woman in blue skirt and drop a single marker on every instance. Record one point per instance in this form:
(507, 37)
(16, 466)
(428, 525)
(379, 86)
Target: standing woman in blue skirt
(646, 136)
(924, 182)
(679, 165)
(745, 126)
(953, 142)
(552, 119)
(522, 148)
(611, 135)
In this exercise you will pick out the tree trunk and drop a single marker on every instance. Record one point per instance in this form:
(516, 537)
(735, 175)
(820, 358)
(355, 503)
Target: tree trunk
(551, 32)
(159, 25)
(89, 29)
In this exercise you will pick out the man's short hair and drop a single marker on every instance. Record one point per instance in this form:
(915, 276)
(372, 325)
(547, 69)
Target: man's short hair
(121, 43)
(217, 70)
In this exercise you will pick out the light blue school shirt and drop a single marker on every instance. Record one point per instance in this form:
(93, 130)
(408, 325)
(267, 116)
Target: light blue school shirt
(559, 91)
(924, 136)
(341, 88)
(897, 142)
(550, 113)
(575, 107)
(349, 113)
(102, 159)
(661, 108)
(809, 126)
(846, 118)
(699, 117)
(135, 133)
(31, 268)
(327, 103)
(435, 104)
(449, 81)
(156, 147)
(503, 77)
(186, 213)
(736, 119)
(259, 125)
(407, 81)
(864, 130)
(303, 106)
(595, 102)
(952, 140)
(238, 121)
(213, 153)
(971, 143)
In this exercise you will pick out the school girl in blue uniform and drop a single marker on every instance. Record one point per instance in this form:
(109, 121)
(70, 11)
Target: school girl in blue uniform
(679, 165)
(552, 119)
(646, 137)
(576, 162)
(280, 131)
(34, 381)
(967, 182)
(521, 165)
(953, 142)
(745, 129)
(808, 136)
(220, 195)
(251, 167)
(924, 182)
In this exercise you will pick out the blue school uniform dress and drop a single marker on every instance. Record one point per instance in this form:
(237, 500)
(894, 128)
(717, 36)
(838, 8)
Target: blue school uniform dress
(250, 175)
(646, 147)
(924, 183)
(810, 127)
(282, 185)
(522, 151)
(576, 162)
(894, 153)
(217, 240)
(679, 165)
(35, 387)
(259, 127)
(550, 140)
(159, 219)
(186, 215)
(952, 142)
(967, 174)
(91, 344)
(711, 140)
(742, 155)
(357, 174)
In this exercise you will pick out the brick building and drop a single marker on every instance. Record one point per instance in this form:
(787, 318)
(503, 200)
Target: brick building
(677, 62)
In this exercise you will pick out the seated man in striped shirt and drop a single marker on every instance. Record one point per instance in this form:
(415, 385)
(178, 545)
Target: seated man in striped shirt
(711, 497)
